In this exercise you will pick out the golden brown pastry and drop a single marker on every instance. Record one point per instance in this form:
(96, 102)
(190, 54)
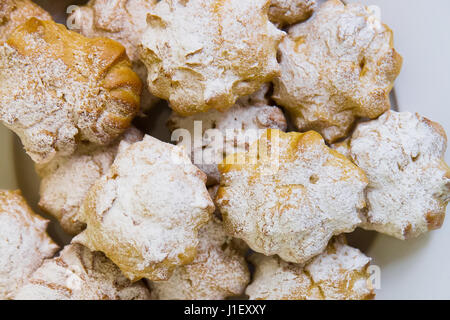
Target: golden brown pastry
(120, 20)
(228, 132)
(402, 155)
(339, 273)
(65, 181)
(145, 213)
(79, 274)
(218, 271)
(203, 54)
(336, 67)
(58, 88)
(24, 243)
(283, 12)
(15, 12)
(289, 195)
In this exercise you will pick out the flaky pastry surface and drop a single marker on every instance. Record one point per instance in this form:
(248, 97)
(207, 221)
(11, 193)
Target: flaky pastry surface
(339, 273)
(402, 155)
(58, 87)
(65, 181)
(239, 127)
(203, 54)
(24, 243)
(15, 12)
(336, 67)
(292, 201)
(218, 271)
(120, 20)
(284, 12)
(145, 213)
(79, 274)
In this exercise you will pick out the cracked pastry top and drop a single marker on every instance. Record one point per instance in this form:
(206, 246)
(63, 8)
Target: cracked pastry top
(79, 274)
(15, 12)
(338, 66)
(226, 132)
(65, 181)
(203, 54)
(58, 88)
(24, 243)
(146, 211)
(120, 20)
(218, 271)
(290, 194)
(402, 155)
(338, 273)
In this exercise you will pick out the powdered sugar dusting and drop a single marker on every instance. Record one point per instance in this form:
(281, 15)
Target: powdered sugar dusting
(248, 115)
(58, 88)
(339, 273)
(79, 274)
(203, 54)
(144, 214)
(315, 193)
(24, 243)
(124, 21)
(290, 11)
(15, 12)
(409, 182)
(66, 180)
(336, 67)
(218, 271)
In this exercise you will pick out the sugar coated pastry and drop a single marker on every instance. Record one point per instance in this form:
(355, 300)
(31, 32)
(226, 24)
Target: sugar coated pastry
(343, 147)
(339, 273)
(15, 12)
(79, 274)
(237, 244)
(221, 133)
(120, 20)
(24, 243)
(336, 67)
(285, 12)
(290, 194)
(228, 50)
(218, 271)
(145, 213)
(65, 181)
(58, 88)
(409, 181)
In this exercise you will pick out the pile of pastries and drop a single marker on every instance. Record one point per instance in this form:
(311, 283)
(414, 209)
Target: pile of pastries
(219, 213)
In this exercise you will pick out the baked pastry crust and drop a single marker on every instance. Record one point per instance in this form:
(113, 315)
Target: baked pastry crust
(292, 201)
(123, 21)
(227, 51)
(58, 88)
(339, 273)
(335, 68)
(219, 270)
(65, 181)
(409, 181)
(239, 127)
(24, 243)
(79, 274)
(120, 20)
(145, 213)
(15, 12)
(284, 12)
